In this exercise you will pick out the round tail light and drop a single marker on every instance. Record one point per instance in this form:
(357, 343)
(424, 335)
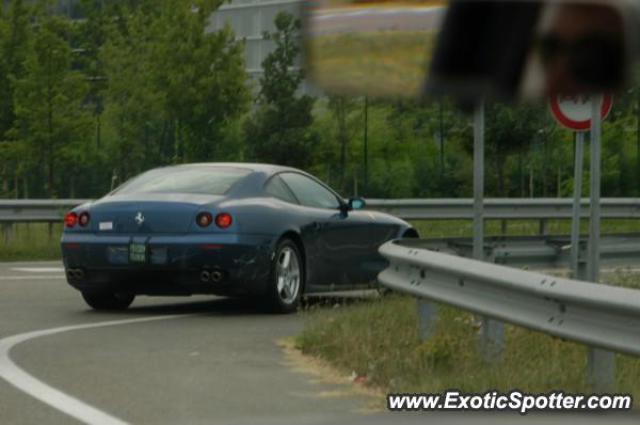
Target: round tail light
(204, 219)
(84, 219)
(224, 220)
(70, 219)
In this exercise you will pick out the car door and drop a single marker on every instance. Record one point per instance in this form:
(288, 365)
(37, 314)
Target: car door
(340, 238)
(370, 230)
(308, 220)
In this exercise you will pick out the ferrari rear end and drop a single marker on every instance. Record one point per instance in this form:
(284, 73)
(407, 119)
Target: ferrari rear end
(162, 244)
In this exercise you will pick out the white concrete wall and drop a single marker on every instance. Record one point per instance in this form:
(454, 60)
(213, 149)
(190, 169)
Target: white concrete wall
(249, 19)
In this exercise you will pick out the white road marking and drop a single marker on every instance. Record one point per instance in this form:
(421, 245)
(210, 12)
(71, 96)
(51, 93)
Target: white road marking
(349, 13)
(56, 277)
(38, 269)
(342, 11)
(57, 399)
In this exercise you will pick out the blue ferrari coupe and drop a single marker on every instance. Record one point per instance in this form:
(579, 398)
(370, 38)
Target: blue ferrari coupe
(231, 229)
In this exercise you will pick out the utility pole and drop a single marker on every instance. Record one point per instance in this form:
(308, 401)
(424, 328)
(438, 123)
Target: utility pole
(492, 338)
(577, 197)
(638, 140)
(441, 144)
(366, 146)
(600, 363)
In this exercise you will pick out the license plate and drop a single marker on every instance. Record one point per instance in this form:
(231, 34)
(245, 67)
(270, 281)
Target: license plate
(137, 253)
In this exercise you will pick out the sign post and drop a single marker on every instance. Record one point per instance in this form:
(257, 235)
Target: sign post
(492, 339)
(601, 363)
(478, 182)
(576, 113)
(577, 197)
(582, 114)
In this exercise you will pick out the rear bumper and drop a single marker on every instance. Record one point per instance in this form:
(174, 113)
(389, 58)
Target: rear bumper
(175, 264)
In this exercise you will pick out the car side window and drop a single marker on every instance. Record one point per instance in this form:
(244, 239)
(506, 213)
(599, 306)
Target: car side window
(276, 188)
(309, 192)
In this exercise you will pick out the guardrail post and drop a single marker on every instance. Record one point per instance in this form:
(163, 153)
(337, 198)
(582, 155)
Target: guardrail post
(7, 232)
(492, 332)
(601, 363)
(503, 227)
(427, 318)
(582, 267)
(601, 370)
(543, 227)
(492, 340)
(591, 314)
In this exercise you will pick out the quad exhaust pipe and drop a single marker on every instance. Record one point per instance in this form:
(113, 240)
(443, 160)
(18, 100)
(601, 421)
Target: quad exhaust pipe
(75, 274)
(204, 276)
(214, 276)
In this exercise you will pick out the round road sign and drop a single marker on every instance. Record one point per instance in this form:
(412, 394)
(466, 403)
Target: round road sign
(574, 112)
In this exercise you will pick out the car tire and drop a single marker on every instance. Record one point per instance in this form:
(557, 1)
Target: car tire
(286, 279)
(108, 300)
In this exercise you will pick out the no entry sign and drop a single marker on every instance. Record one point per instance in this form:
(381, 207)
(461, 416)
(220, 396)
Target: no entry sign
(574, 112)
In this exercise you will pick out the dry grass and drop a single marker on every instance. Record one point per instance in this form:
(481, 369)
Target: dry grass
(378, 338)
(322, 372)
(379, 64)
(464, 228)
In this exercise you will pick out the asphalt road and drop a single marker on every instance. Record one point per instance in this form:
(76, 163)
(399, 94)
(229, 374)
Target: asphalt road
(194, 360)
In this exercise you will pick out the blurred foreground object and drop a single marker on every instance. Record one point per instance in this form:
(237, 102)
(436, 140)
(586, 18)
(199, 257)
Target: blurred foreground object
(471, 50)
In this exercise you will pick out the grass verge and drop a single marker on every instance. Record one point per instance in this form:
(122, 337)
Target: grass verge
(381, 64)
(379, 339)
(464, 228)
(33, 241)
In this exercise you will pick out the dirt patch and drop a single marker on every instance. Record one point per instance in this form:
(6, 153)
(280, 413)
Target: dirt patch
(322, 373)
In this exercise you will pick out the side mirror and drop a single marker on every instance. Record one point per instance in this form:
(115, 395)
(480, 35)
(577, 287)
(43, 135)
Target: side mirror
(356, 203)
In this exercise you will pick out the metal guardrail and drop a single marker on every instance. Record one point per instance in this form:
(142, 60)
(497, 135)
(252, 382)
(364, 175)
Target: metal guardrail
(502, 208)
(598, 315)
(539, 252)
(36, 210)
(543, 252)
(43, 210)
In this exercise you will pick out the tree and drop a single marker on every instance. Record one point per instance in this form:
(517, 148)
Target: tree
(341, 108)
(91, 36)
(280, 131)
(509, 130)
(13, 47)
(134, 104)
(203, 77)
(175, 90)
(48, 100)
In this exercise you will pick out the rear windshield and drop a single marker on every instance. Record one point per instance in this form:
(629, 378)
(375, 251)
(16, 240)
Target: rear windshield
(201, 180)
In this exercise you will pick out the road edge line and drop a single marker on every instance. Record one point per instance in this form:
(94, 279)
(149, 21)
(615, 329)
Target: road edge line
(57, 399)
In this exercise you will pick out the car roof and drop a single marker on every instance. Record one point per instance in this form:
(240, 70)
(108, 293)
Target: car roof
(256, 167)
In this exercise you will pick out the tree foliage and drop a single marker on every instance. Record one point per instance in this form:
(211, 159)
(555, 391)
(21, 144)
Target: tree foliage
(143, 83)
(48, 98)
(174, 88)
(281, 131)
(135, 85)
